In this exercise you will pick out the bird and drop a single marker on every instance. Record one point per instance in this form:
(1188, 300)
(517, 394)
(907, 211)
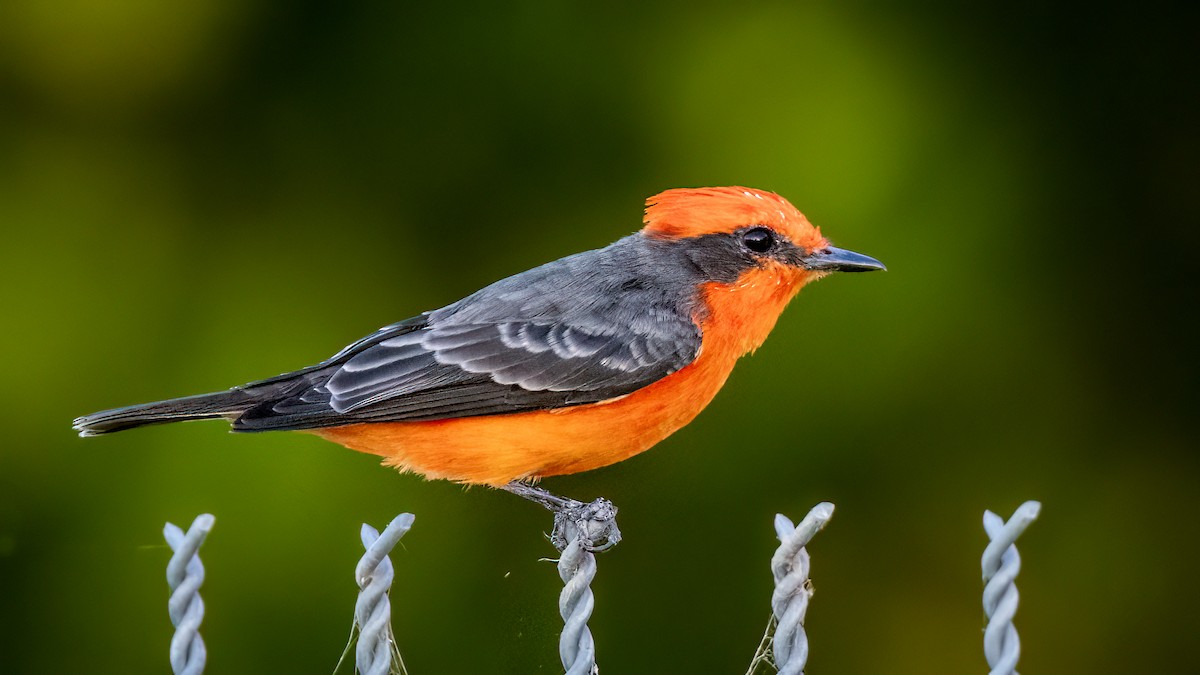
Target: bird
(564, 368)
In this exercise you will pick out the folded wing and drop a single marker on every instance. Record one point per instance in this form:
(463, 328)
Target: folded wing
(515, 347)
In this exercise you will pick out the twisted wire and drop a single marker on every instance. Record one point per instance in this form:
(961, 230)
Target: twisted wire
(581, 528)
(789, 602)
(373, 610)
(1001, 563)
(185, 575)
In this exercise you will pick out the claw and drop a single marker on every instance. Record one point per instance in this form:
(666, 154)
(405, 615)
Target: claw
(595, 525)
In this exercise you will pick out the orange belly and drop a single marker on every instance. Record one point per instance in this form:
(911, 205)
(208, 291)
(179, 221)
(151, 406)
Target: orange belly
(500, 448)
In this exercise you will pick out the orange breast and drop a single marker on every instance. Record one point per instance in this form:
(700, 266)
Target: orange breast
(497, 449)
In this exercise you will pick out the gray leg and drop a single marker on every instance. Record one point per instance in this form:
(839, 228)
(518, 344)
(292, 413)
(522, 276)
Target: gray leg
(595, 524)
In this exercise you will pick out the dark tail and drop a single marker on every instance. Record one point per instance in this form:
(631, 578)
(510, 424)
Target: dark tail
(227, 404)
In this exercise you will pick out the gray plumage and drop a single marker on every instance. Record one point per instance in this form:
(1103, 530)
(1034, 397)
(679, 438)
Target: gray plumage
(585, 328)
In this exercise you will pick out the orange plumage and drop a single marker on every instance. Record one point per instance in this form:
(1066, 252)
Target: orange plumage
(501, 448)
(565, 368)
(736, 319)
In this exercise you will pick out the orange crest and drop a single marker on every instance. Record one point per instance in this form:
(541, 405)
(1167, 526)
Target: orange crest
(692, 212)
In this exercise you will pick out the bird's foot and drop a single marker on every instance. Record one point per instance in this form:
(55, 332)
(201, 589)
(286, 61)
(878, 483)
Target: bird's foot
(594, 524)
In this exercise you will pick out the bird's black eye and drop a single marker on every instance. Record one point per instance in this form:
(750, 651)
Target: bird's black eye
(759, 239)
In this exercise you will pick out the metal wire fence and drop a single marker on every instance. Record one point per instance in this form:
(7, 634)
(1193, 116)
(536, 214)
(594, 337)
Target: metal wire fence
(784, 646)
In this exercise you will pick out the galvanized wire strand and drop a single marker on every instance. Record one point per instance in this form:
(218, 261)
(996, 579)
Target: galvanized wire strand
(185, 575)
(1001, 563)
(581, 528)
(373, 610)
(789, 602)
(576, 648)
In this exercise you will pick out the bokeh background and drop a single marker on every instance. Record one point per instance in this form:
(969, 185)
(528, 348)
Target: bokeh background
(194, 195)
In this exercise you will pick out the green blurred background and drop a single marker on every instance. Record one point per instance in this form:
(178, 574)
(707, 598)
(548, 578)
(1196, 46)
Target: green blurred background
(194, 195)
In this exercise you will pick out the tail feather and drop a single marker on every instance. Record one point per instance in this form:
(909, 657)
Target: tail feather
(228, 404)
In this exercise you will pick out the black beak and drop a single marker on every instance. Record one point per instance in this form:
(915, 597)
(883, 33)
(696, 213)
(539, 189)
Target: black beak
(830, 259)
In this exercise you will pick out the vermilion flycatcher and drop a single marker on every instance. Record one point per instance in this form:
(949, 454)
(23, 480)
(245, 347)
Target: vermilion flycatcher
(567, 367)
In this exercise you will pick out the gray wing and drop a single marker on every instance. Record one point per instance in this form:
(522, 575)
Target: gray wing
(566, 333)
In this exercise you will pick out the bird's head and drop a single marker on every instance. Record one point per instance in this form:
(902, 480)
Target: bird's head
(749, 229)
(753, 248)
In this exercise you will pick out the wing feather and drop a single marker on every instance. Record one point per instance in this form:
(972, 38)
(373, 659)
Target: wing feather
(568, 333)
